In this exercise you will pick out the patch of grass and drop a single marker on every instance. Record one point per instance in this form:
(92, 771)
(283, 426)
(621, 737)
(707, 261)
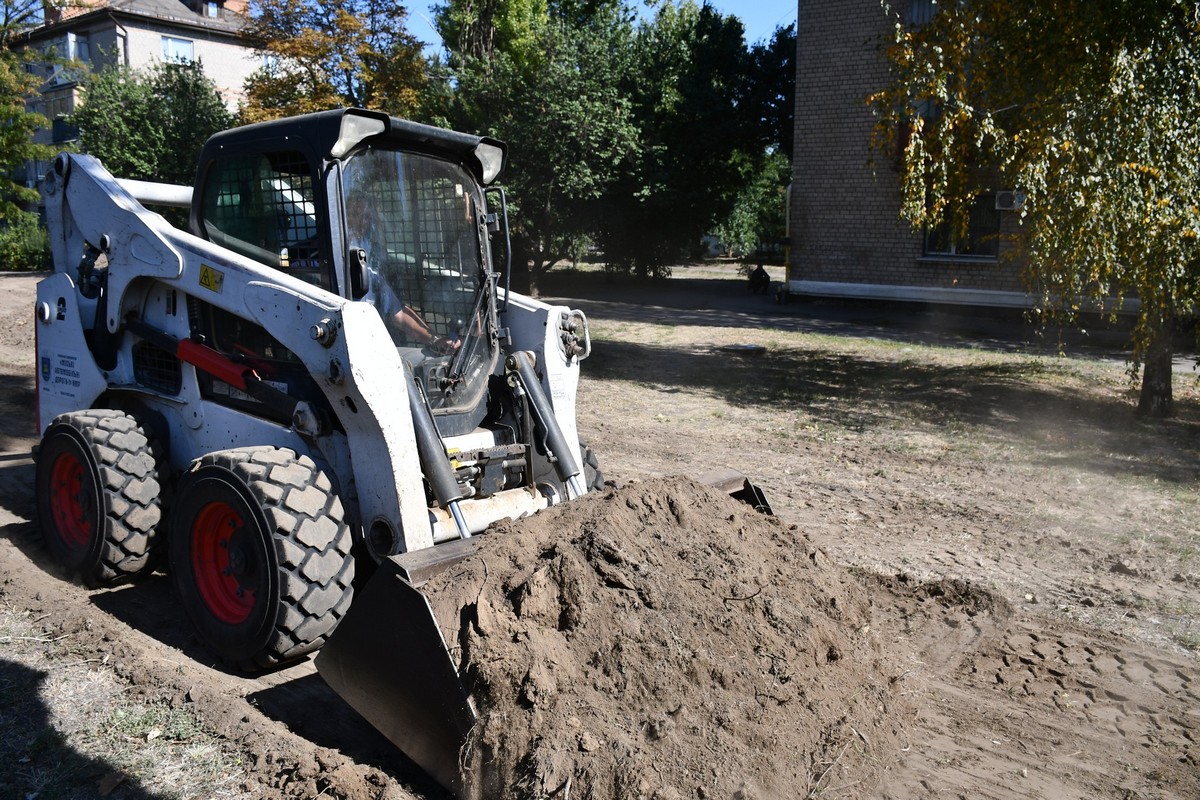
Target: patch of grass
(1189, 640)
(150, 722)
(68, 729)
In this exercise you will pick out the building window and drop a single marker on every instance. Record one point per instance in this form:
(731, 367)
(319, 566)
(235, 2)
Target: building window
(920, 12)
(176, 49)
(60, 55)
(212, 9)
(58, 103)
(983, 233)
(78, 47)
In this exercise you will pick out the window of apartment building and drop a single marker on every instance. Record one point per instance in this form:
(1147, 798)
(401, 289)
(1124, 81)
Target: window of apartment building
(69, 47)
(81, 50)
(983, 233)
(59, 55)
(174, 49)
(920, 12)
(57, 103)
(212, 9)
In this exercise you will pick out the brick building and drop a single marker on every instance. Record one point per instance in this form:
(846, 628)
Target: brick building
(847, 239)
(135, 34)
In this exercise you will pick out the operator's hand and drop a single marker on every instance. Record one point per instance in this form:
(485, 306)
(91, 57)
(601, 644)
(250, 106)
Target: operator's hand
(444, 345)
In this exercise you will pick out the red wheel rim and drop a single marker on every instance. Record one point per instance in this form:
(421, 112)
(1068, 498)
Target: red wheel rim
(223, 562)
(72, 501)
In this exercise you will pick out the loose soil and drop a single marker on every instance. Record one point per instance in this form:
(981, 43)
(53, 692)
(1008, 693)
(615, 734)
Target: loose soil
(983, 580)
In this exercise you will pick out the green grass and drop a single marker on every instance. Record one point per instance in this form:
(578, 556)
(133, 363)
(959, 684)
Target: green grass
(69, 730)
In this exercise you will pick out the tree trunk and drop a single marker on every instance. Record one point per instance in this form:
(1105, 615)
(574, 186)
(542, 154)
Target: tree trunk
(1156, 400)
(536, 267)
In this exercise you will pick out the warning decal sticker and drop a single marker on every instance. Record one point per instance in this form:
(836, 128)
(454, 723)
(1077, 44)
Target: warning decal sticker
(211, 278)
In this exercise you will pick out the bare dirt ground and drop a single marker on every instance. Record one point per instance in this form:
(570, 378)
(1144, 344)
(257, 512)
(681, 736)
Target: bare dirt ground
(983, 581)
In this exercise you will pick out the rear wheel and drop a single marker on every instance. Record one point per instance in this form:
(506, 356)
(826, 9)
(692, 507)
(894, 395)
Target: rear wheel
(260, 555)
(98, 496)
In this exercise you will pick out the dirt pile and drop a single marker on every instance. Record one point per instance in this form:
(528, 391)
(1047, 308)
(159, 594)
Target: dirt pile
(660, 641)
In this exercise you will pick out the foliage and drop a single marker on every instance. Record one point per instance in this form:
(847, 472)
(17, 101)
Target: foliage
(18, 16)
(480, 29)
(16, 85)
(757, 217)
(688, 90)
(772, 90)
(323, 55)
(566, 122)
(639, 134)
(150, 125)
(24, 243)
(116, 124)
(1089, 107)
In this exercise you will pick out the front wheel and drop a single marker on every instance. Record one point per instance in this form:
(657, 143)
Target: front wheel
(98, 494)
(260, 555)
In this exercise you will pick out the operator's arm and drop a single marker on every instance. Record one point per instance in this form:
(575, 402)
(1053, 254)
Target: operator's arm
(411, 325)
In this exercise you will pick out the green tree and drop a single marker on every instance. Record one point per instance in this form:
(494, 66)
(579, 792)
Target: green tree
(765, 167)
(640, 135)
(772, 90)
(17, 85)
(557, 100)
(150, 125)
(689, 90)
(1091, 108)
(758, 211)
(340, 53)
(479, 29)
(190, 110)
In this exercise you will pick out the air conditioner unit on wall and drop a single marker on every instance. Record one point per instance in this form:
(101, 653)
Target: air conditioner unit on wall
(1009, 200)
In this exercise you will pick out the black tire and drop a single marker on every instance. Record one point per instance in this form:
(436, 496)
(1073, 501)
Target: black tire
(593, 478)
(98, 495)
(260, 555)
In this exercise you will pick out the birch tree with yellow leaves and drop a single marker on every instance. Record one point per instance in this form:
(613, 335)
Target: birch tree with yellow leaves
(1090, 109)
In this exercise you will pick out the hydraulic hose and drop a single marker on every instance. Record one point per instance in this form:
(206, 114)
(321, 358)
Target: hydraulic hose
(432, 454)
(562, 454)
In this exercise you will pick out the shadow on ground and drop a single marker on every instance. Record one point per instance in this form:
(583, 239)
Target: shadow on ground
(856, 393)
(37, 760)
(727, 303)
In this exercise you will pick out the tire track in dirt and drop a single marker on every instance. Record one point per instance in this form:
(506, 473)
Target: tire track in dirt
(1010, 706)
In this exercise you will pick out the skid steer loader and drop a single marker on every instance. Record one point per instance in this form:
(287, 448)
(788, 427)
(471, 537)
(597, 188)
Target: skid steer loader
(323, 378)
(324, 374)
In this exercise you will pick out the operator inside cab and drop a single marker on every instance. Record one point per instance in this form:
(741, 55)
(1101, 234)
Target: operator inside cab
(415, 224)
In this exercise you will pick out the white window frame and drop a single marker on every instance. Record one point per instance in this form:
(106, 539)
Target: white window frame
(177, 49)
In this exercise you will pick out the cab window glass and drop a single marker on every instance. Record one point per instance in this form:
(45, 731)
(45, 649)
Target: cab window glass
(264, 206)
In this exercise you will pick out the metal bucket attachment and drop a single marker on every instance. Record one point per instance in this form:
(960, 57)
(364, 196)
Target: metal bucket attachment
(739, 487)
(389, 661)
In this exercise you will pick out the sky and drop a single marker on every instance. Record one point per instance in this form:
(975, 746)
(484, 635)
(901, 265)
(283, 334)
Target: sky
(760, 17)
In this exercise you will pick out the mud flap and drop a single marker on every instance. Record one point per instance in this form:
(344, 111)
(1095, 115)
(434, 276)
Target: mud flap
(389, 661)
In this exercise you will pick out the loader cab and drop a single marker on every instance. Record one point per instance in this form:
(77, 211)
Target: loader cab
(374, 209)
(264, 205)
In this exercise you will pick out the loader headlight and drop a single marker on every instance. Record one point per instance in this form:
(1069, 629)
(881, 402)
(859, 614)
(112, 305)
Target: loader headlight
(354, 129)
(490, 155)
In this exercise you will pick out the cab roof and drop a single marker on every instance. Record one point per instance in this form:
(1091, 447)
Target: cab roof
(335, 134)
